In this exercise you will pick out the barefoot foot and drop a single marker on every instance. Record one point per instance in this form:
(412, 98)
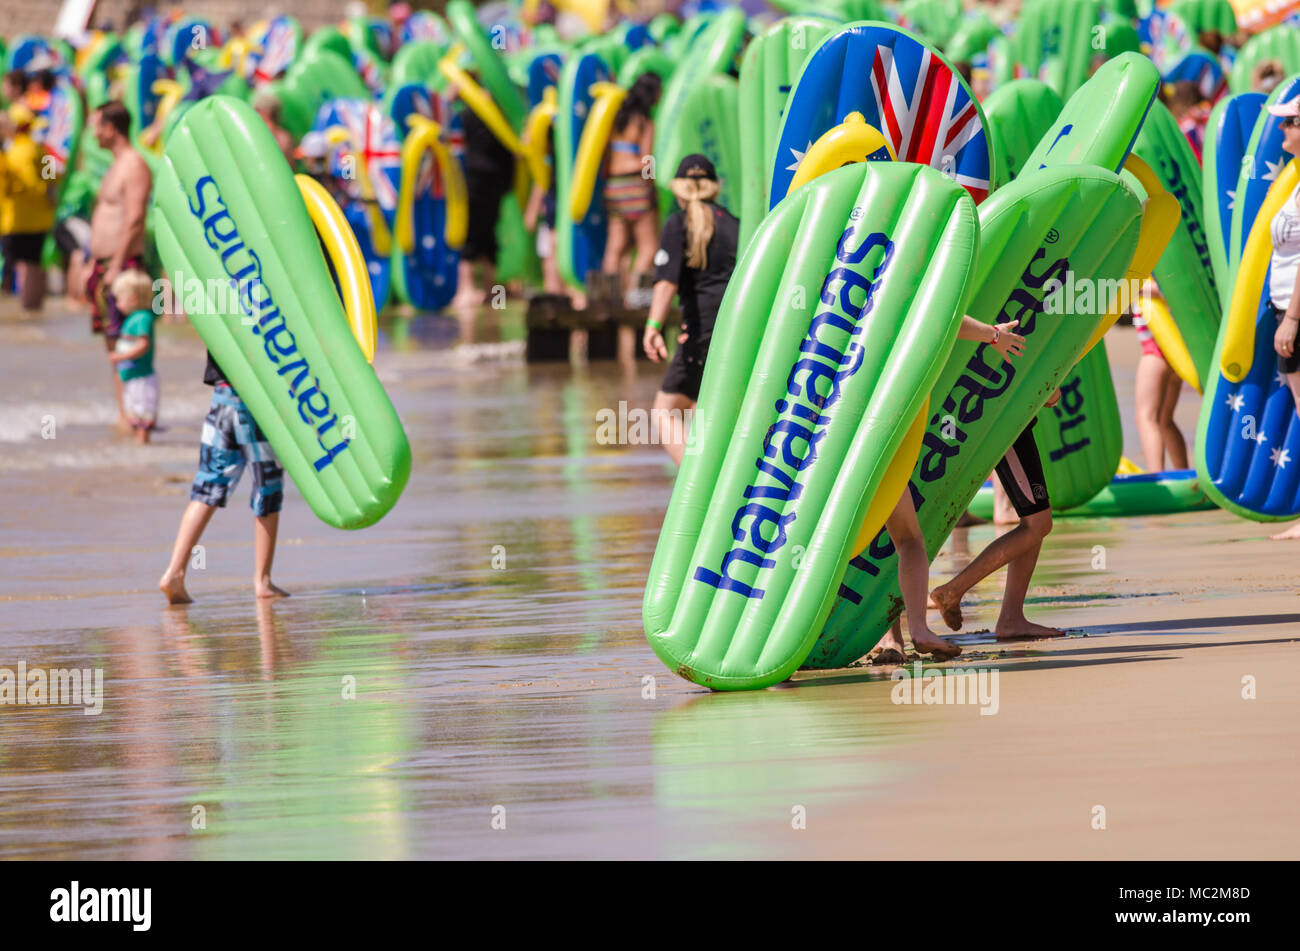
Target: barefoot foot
(265, 589)
(1290, 533)
(949, 606)
(173, 587)
(1024, 629)
(935, 646)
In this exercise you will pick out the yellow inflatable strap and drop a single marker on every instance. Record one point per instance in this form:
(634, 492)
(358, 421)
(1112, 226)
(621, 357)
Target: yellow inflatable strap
(1128, 467)
(380, 239)
(536, 128)
(1161, 324)
(345, 254)
(591, 147)
(894, 484)
(1160, 216)
(853, 140)
(170, 93)
(232, 55)
(478, 99)
(422, 138)
(591, 12)
(1239, 337)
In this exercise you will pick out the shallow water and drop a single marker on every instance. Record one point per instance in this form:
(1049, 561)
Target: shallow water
(491, 626)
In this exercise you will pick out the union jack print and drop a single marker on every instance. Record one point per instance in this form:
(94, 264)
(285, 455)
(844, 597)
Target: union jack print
(278, 49)
(929, 118)
(372, 140)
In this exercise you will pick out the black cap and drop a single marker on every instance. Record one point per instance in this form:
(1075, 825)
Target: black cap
(697, 166)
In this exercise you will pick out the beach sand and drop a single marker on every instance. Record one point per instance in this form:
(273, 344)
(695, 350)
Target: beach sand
(515, 710)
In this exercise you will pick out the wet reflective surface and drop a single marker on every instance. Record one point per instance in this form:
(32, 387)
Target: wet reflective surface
(489, 631)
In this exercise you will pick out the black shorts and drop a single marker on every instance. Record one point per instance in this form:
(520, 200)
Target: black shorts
(485, 197)
(1021, 475)
(686, 370)
(26, 247)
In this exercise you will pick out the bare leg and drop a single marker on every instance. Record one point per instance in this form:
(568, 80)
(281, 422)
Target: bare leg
(194, 520)
(1011, 620)
(264, 531)
(1173, 440)
(32, 277)
(891, 649)
(615, 245)
(1149, 389)
(669, 417)
(1024, 539)
(646, 230)
(914, 577)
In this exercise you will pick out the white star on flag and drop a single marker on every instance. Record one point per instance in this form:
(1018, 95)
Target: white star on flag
(1235, 402)
(1280, 457)
(1232, 199)
(1273, 169)
(1261, 438)
(798, 157)
(1279, 378)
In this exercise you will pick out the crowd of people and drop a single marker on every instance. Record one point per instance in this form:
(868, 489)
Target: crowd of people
(688, 261)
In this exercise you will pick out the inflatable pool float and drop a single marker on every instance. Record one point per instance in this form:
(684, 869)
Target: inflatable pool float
(316, 77)
(1260, 166)
(1080, 439)
(709, 123)
(469, 33)
(430, 221)
(1280, 42)
(1185, 272)
(751, 553)
(416, 62)
(1018, 114)
(1055, 40)
(1231, 123)
(768, 71)
(366, 155)
(900, 87)
(588, 102)
(227, 210)
(1248, 437)
(1146, 493)
(272, 53)
(711, 53)
(1069, 212)
(648, 59)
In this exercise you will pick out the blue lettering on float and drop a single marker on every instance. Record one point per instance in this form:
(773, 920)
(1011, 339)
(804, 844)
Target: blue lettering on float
(244, 268)
(827, 359)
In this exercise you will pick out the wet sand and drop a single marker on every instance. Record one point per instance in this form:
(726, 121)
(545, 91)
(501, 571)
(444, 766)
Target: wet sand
(524, 687)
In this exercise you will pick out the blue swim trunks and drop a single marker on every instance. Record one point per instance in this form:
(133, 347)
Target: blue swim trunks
(231, 441)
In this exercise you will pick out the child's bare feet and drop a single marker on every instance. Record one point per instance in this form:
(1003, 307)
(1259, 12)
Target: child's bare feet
(173, 587)
(934, 645)
(890, 650)
(265, 589)
(1290, 533)
(1022, 628)
(949, 605)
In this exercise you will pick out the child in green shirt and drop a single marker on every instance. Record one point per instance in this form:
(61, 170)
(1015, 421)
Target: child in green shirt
(133, 355)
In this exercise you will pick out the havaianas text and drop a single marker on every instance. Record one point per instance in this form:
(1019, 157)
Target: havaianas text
(255, 300)
(829, 354)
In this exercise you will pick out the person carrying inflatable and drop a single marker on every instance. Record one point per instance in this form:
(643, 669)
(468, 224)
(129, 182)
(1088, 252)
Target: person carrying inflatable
(1021, 475)
(696, 255)
(1284, 272)
(905, 530)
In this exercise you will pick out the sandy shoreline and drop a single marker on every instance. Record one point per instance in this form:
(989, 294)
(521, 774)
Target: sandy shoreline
(524, 687)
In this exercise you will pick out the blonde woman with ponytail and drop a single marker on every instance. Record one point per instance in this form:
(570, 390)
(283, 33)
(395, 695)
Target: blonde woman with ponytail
(697, 253)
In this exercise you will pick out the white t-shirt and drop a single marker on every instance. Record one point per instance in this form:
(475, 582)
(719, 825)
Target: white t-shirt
(1286, 252)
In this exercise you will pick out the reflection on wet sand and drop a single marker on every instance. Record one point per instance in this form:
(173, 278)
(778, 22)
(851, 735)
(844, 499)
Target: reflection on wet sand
(478, 656)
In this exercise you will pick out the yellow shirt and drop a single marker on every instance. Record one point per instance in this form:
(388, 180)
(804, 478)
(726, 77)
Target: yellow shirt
(24, 195)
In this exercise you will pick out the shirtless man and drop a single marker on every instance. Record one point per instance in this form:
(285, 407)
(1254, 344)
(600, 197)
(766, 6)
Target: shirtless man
(117, 225)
